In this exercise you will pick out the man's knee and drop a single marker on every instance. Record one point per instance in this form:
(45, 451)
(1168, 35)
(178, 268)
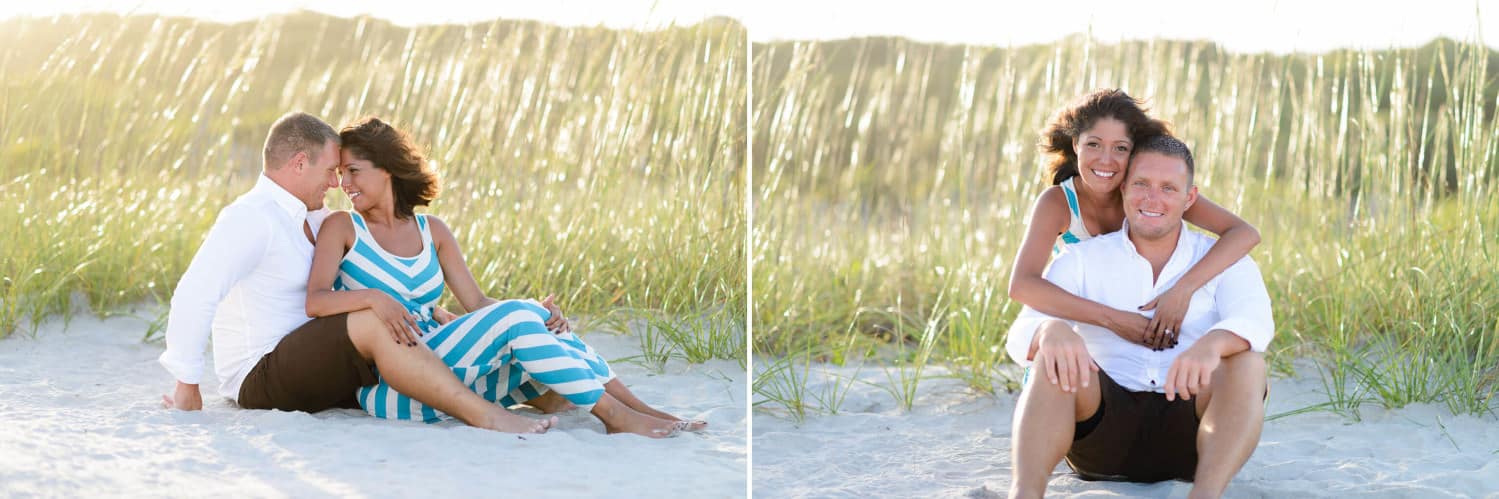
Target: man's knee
(1249, 364)
(1041, 384)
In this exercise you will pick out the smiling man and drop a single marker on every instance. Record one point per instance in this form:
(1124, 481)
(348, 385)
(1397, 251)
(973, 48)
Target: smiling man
(1119, 410)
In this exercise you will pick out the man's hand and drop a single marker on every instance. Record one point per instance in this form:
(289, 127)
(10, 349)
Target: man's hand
(186, 397)
(1192, 371)
(1063, 356)
(557, 323)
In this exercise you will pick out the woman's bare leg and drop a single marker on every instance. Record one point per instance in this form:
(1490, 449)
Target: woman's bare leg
(418, 373)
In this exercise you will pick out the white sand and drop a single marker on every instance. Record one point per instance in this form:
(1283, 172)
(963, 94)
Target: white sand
(80, 416)
(955, 443)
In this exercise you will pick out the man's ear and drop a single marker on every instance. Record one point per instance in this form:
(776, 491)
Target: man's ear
(299, 161)
(1191, 198)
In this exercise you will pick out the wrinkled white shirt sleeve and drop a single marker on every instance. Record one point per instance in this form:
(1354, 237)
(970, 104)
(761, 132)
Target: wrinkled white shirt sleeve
(1066, 272)
(1244, 305)
(233, 249)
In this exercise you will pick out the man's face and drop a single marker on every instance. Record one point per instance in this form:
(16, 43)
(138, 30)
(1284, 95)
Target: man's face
(1156, 193)
(319, 176)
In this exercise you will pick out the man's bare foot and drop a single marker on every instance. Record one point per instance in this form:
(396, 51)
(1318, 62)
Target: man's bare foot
(623, 419)
(617, 389)
(505, 422)
(641, 407)
(551, 403)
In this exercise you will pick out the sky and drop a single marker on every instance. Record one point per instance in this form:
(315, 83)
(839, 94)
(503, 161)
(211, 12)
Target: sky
(1247, 25)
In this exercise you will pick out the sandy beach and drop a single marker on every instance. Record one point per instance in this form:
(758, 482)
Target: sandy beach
(955, 443)
(80, 415)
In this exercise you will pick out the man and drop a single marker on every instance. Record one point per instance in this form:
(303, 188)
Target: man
(1122, 411)
(247, 285)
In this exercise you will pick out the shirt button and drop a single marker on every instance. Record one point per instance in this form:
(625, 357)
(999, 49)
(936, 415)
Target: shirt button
(1152, 382)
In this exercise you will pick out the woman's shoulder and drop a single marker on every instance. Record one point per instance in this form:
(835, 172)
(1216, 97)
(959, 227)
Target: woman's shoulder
(337, 222)
(1053, 198)
(341, 217)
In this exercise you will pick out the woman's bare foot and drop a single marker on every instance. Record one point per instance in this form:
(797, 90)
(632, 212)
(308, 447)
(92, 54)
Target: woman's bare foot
(505, 422)
(551, 403)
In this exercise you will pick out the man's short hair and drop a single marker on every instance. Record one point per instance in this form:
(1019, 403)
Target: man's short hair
(1169, 146)
(296, 132)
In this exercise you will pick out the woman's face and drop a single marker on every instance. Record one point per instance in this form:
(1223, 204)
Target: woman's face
(1103, 154)
(365, 185)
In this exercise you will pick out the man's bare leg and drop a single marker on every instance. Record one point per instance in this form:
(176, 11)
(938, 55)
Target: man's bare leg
(1042, 430)
(620, 418)
(1233, 413)
(617, 388)
(418, 373)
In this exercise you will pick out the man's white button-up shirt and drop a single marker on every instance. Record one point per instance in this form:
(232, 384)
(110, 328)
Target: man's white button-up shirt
(246, 286)
(1108, 270)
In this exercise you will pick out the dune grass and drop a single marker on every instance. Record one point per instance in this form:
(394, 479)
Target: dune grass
(893, 179)
(602, 165)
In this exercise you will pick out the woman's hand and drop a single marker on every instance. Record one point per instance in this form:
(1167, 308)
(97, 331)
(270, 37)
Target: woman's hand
(1165, 327)
(557, 323)
(401, 323)
(442, 315)
(1132, 327)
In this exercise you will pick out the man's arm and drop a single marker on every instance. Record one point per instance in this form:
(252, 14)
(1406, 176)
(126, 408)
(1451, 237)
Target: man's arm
(1067, 273)
(234, 247)
(1245, 324)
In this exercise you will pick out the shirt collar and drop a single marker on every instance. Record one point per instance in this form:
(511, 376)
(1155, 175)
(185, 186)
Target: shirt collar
(294, 208)
(1181, 246)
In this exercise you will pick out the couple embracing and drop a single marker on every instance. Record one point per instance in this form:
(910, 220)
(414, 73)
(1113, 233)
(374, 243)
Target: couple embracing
(1144, 341)
(369, 280)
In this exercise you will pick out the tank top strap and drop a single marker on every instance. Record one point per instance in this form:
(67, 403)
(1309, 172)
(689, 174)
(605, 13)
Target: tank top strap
(1076, 231)
(1071, 193)
(361, 230)
(426, 230)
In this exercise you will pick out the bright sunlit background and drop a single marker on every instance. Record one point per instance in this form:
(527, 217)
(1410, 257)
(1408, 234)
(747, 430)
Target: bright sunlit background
(1274, 25)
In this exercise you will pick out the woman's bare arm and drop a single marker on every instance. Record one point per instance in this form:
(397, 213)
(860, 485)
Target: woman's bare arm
(333, 241)
(1049, 217)
(454, 269)
(1235, 238)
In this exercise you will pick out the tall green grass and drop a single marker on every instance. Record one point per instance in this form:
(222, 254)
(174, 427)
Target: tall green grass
(893, 178)
(602, 165)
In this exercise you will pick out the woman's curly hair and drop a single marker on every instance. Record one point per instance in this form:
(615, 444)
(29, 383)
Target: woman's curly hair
(1058, 137)
(412, 180)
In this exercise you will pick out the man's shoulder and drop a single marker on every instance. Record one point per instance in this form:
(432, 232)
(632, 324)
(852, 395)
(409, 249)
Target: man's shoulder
(247, 209)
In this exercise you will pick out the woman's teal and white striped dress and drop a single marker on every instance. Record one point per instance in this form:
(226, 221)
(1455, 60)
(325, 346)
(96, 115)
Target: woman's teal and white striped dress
(503, 351)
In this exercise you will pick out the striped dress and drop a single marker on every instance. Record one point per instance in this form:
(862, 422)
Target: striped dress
(503, 352)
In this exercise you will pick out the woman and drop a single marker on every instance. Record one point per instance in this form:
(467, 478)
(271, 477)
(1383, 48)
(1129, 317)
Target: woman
(1091, 142)
(501, 349)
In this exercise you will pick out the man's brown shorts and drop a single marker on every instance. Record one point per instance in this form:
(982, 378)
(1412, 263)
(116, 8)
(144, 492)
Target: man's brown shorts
(316, 367)
(1136, 436)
